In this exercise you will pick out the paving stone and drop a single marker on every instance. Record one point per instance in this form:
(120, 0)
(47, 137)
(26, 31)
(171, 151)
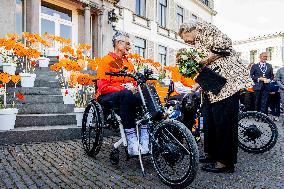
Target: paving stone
(64, 164)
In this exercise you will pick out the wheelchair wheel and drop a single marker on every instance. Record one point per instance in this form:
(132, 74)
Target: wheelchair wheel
(174, 153)
(92, 124)
(257, 133)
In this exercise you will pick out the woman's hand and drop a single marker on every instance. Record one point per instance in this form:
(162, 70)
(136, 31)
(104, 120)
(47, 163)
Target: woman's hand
(211, 58)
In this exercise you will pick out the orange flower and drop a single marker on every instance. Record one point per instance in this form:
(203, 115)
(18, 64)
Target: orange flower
(85, 79)
(13, 36)
(5, 77)
(20, 96)
(56, 67)
(15, 78)
(93, 63)
(32, 53)
(67, 49)
(73, 79)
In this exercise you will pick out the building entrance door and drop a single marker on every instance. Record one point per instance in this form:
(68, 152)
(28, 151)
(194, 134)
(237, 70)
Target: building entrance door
(56, 21)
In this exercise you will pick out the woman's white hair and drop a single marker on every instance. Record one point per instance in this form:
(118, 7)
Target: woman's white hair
(188, 26)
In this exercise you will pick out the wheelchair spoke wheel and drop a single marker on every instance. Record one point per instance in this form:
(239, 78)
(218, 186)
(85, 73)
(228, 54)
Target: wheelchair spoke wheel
(92, 129)
(256, 132)
(174, 154)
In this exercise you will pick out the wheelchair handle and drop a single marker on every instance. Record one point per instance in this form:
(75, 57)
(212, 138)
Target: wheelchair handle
(119, 74)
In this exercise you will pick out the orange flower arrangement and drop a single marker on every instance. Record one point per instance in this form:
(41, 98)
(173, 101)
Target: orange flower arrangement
(6, 78)
(67, 49)
(85, 79)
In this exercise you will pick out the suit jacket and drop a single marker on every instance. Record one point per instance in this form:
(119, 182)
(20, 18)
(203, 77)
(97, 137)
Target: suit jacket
(256, 73)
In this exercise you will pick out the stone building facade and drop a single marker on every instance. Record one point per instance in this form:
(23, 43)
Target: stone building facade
(153, 24)
(273, 44)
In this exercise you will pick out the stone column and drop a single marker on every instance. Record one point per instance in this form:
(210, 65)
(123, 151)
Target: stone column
(33, 15)
(87, 25)
(100, 33)
(7, 17)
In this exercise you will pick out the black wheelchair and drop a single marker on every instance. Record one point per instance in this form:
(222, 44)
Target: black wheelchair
(173, 150)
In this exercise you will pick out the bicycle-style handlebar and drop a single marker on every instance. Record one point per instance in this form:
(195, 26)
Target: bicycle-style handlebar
(136, 76)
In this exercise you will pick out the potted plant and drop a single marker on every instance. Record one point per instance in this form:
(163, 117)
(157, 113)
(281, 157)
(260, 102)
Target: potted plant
(29, 62)
(8, 113)
(71, 60)
(84, 91)
(43, 61)
(11, 50)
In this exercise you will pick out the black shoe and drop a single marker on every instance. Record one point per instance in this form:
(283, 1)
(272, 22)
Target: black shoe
(205, 159)
(212, 168)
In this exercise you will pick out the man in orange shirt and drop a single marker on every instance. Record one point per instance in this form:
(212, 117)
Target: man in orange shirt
(121, 92)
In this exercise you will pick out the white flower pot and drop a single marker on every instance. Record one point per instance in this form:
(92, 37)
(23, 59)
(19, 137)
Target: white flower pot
(68, 96)
(27, 79)
(9, 68)
(8, 118)
(79, 115)
(43, 62)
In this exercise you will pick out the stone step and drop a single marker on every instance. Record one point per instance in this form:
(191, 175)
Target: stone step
(40, 134)
(36, 90)
(30, 120)
(47, 83)
(45, 108)
(35, 99)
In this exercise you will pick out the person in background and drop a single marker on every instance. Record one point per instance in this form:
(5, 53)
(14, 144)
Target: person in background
(262, 74)
(280, 82)
(274, 100)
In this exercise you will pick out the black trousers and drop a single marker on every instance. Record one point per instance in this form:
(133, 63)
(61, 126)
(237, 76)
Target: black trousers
(261, 100)
(221, 129)
(274, 103)
(126, 102)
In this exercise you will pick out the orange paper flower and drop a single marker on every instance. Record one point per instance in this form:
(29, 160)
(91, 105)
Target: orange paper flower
(15, 78)
(5, 78)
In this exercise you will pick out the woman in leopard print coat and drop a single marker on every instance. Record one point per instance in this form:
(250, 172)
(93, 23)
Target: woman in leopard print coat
(220, 110)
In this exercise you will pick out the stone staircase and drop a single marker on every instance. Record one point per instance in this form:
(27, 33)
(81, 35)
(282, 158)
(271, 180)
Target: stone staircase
(44, 103)
(42, 116)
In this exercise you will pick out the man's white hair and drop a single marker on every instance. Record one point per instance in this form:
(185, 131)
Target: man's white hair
(119, 36)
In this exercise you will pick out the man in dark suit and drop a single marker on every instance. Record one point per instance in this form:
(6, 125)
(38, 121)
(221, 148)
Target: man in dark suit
(262, 74)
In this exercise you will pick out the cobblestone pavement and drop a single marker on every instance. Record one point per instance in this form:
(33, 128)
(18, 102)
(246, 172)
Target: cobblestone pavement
(65, 165)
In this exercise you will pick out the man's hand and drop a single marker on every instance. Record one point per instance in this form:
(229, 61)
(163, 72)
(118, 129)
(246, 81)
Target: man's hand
(195, 87)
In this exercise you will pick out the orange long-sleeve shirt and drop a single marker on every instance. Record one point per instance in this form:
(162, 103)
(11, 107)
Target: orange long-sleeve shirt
(112, 63)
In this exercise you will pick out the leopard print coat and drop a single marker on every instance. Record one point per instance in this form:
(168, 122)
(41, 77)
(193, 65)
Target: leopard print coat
(210, 39)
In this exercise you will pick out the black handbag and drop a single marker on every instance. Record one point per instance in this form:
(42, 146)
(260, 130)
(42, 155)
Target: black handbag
(211, 81)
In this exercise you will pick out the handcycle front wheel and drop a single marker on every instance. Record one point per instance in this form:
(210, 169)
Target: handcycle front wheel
(174, 153)
(92, 124)
(257, 133)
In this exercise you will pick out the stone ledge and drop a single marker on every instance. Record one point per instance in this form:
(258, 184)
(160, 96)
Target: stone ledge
(35, 134)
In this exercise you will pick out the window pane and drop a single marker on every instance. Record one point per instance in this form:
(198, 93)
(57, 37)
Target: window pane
(47, 26)
(51, 9)
(143, 8)
(163, 2)
(19, 17)
(137, 7)
(140, 42)
(65, 31)
(180, 10)
(162, 50)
